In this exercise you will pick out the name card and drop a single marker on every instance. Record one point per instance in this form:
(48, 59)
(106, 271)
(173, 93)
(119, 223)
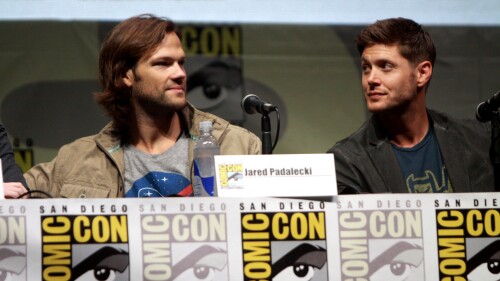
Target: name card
(276, 175)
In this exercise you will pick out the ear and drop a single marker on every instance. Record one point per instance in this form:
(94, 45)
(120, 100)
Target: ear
(424, 73)
(128, 78)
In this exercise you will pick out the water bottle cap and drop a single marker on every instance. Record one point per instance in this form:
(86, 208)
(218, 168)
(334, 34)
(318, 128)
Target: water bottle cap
(205, 126)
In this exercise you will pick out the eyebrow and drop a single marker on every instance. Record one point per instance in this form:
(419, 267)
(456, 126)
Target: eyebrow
(203, 256)
(166, 58)
(305, 253)
(107, 257)
(403, 252)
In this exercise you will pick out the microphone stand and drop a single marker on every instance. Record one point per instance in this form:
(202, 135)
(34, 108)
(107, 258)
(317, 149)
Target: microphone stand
(495, 147)
(267, 147)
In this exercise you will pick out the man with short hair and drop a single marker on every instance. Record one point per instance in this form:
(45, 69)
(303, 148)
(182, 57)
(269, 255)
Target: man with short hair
(147, 149)
(404, 146)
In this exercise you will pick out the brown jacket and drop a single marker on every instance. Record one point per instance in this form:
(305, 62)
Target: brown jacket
(94, 167)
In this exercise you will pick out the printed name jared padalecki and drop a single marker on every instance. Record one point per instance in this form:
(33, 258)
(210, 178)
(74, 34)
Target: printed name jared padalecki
(279, 172)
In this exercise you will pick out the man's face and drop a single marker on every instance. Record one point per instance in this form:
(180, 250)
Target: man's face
(388, 79)
(159, 81)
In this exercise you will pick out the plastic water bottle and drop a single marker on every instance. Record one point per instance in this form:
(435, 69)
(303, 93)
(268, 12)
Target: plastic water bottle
(204, 166)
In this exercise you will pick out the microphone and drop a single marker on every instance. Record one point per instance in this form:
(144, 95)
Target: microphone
(252, 104)
(484, 111)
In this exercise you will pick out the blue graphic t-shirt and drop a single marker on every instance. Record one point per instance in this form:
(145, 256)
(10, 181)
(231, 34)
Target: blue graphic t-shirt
(423, 167)
(158, 175)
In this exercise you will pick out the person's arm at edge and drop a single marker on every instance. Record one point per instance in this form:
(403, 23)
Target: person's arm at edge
(14, 183)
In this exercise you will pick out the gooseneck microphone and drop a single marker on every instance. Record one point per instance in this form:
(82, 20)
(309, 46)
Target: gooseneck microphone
(252, 104)
(484, 111)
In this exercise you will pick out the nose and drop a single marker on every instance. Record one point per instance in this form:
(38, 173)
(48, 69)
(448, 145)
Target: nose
(180, 71)
(371, 78)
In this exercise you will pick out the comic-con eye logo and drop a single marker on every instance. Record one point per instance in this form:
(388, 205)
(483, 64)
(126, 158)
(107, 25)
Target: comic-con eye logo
(184, 247)
(205, 263)
(267, 235)
(300, 263)
(84, 247)
(468, 245)
(401, 261)
(485, 265)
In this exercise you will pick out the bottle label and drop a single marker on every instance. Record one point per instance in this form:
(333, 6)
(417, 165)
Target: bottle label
(203, 185)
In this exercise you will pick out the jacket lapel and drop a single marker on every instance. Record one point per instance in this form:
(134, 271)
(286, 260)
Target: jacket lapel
(452, 152)
(384, 160)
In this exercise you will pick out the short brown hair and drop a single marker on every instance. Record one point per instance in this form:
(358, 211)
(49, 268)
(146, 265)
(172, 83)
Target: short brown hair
(415, 44)
(126, 44)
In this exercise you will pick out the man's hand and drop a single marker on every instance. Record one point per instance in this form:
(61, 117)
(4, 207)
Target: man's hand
(14, 189)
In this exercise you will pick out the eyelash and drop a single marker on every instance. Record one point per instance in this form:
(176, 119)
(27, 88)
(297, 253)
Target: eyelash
(385, 67)
(164, 63)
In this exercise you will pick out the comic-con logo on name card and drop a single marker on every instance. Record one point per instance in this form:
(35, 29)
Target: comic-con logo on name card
(231, 176)
(468, 244)
(184, 246)
(284, 246)
(85, 247)
(381, 245)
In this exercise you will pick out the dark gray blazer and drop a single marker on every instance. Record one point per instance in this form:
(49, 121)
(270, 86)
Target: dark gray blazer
(365, 161)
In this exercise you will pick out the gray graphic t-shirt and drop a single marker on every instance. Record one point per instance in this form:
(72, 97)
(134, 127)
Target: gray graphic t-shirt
(158, 175)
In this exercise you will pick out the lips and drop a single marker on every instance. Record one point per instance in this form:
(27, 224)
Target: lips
(374, 95)
(176, 89)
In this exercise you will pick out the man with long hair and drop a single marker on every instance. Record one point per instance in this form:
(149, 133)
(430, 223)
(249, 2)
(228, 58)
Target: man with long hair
(147, 149)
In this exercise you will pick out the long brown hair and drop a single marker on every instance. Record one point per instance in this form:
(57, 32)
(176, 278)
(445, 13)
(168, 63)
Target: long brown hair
(127, 43)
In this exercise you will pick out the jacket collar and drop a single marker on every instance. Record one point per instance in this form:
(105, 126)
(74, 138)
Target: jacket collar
(109, 141)
(192, 118)
(384, 160)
